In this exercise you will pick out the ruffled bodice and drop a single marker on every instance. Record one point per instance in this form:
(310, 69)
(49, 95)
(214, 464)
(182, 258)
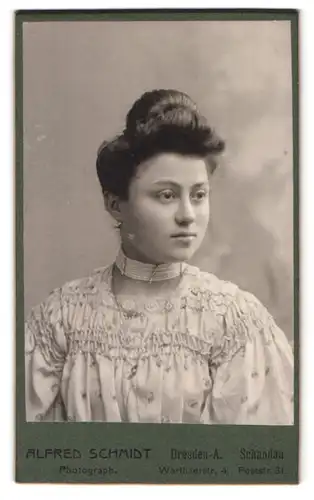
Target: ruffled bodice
(210, 354)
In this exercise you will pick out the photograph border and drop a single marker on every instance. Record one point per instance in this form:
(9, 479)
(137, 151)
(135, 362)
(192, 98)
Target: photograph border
(38, 435)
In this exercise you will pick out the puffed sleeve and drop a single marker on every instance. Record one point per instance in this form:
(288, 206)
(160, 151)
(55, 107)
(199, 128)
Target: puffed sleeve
(45, 348)
(253, 374)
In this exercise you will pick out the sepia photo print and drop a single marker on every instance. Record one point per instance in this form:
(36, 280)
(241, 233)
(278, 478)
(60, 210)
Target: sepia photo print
(150, 336)
(159, 226)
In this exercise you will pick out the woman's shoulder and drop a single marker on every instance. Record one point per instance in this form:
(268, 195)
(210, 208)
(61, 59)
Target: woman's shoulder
(98, 280)
(84, 289)
(207, 283)
(220, 291)
(244, 315)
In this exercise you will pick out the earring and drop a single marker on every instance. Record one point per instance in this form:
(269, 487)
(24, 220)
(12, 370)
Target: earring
(118, 225)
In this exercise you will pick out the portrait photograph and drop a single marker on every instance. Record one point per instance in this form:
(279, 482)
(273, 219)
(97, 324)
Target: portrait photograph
(158, 171)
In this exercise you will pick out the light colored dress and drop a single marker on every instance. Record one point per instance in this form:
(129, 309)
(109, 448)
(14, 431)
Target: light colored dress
(210, 354)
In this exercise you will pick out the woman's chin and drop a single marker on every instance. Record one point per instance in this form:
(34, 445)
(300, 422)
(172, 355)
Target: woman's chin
(181, 255)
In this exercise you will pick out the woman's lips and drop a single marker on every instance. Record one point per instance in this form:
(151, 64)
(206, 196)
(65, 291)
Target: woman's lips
(184, 236)
(180, 235)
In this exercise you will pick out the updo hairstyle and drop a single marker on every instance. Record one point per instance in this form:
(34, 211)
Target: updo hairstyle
(160, 121)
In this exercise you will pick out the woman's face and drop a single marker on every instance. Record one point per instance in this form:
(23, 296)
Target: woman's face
(167, 213)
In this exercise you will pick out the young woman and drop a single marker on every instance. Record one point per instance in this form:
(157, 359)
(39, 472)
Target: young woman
(151, 338)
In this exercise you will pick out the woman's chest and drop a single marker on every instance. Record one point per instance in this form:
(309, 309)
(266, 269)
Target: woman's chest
(145, 361)
(146, 325)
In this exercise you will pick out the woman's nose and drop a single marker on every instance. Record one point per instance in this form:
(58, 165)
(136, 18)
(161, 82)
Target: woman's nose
(185, 213)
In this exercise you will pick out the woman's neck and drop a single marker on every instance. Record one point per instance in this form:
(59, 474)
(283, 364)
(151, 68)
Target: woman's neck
(148, 272)
(133, 253)
(125, 287)
(134, 278)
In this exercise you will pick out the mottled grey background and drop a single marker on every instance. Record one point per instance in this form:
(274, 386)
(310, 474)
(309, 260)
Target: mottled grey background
(80, 78)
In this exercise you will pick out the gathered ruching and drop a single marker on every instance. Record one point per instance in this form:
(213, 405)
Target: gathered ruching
(44, 329)
(45, 354)
(210, 354)
(112, 346)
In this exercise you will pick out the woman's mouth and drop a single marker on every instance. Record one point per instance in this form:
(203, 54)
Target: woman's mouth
(184, 236)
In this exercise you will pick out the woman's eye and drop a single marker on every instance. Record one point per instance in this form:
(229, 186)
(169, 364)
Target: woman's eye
(199, 195)
(166, 196)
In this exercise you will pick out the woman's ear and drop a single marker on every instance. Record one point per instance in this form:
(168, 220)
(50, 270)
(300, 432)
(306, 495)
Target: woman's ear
(112, 204)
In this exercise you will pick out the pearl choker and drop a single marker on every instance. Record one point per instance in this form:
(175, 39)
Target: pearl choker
(148, 272)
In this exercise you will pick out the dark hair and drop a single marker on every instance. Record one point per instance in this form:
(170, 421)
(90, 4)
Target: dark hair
(159, 121)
